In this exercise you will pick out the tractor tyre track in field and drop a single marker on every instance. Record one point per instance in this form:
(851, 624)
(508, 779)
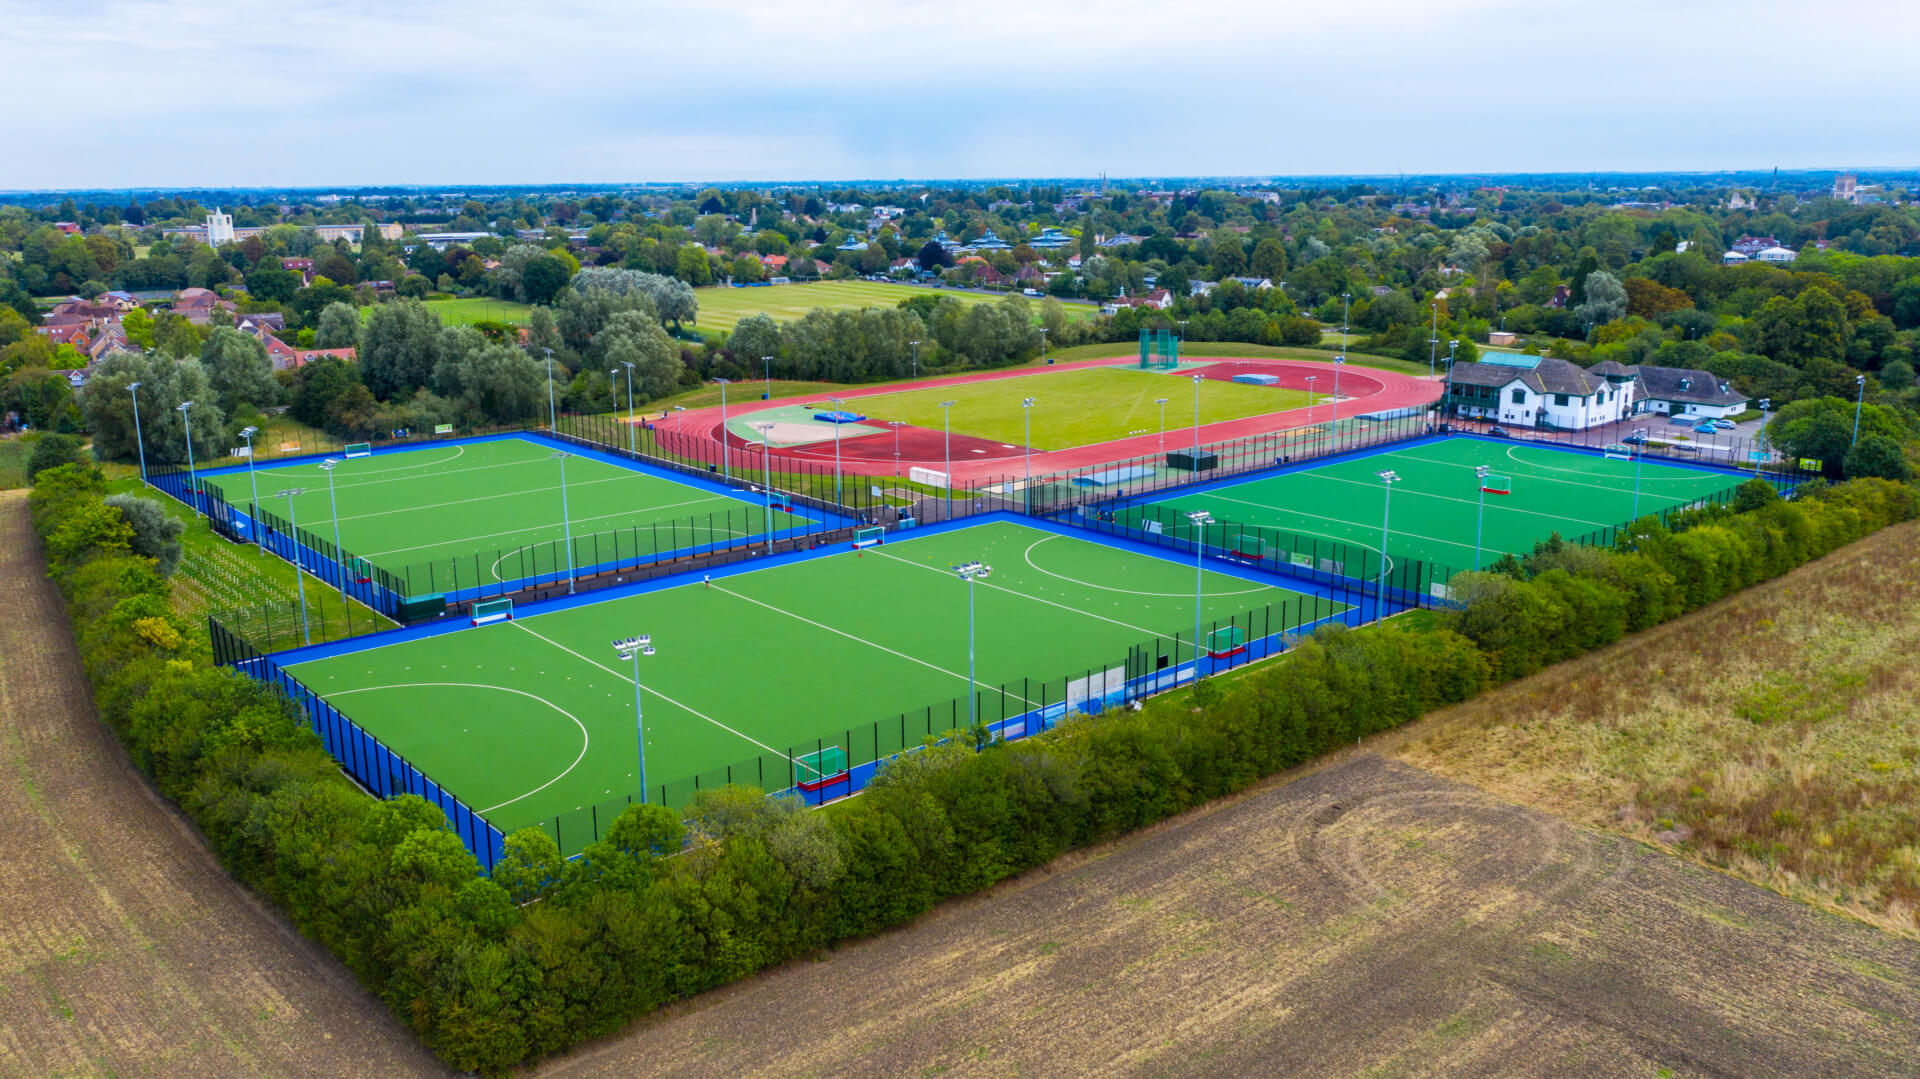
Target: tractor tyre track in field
(127, 950)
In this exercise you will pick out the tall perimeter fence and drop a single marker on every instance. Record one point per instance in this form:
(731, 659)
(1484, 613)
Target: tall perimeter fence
(529, 573)
(1111, 500)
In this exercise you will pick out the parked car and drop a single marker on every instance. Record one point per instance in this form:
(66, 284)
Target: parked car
(1497, 431)
(1683, 447)
(1634, 440)
(1706, 428)
(1724, 425)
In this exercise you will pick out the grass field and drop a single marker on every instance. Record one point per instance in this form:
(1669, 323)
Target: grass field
(1197, 350)
(465, 311)
(493, 509)
(1772, 736)
(533, 718)
(1436, 507)
(1078, 407)
(721, 308)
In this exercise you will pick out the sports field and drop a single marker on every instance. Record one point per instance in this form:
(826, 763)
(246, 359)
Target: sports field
(530, 719)
(1078, 407)
(490, 511)
(1436, 501)
(465, 311)
(721, 308)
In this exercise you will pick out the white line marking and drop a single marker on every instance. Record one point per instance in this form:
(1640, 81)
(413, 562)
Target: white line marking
(861, 640)
(1028, 555)
(585, 739)
(629, 680)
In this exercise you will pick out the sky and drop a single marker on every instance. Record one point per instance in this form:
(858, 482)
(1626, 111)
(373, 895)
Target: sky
(171, 93)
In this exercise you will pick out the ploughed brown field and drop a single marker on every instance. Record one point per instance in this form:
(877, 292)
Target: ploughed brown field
(125, 950)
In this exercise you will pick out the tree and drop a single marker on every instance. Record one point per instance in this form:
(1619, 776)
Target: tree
(164, 384)
(339, 327)
(138, 326)
(632, 337)
(1821, 428)
(242, 373)
(543, 278)
(270, 283)
(1269, 259)
(52, 451)
(156, 533)
(1877, 455)
(753, 337)
(1606, 299)
(317, 385)
(691, 265)
(489, 383)
(398, 349)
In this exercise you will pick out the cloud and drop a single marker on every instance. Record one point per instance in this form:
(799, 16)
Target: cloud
(164, 92)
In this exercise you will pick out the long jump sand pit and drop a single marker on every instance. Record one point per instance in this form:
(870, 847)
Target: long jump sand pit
(1371, 919)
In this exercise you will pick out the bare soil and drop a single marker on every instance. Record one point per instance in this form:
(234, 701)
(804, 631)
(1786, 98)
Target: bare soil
(1368, 919)
(125, 949)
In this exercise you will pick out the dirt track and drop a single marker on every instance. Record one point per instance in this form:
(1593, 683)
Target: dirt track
(126, 949)
(1372, 919)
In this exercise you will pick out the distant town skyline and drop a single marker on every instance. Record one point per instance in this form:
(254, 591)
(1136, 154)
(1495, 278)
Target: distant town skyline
(159, 93)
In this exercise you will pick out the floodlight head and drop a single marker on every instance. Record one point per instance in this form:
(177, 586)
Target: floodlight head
(249, 431)
(948, 404)
(1388, 475)
(1860, 380)
(721, 381)
(679, 408)
(646, 650)
(559, 455)
(1159, 400)
(183, 406)
(628, 364)
(327, 465)
(1026, 402)
(131, 386)
(1482, 470)
(1200, 517)
(291, 492)
(1764, 401)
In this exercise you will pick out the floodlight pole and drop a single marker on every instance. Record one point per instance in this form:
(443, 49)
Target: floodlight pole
(1026, 491)
(766, 458)
(253, 509)
(633, 648)
(552, 425)
(631, 433)
(916, 359)
(1480, 525)
(1338, 362)
(1043, 342)
(1388, 477)
(1860, 381)
(293, 523)
(139, 443)
(838, 409)
(1447, 399)
(1196, 425)
(946, 419)
(1433, 340)
(726, 450)
(566, 521)
(1201, 519)
(1764, 403)
(193, 482)
(339, 555)
(1162, 402)
(1311, 379)
(767, 362)
(967, 571)
(1639, 455)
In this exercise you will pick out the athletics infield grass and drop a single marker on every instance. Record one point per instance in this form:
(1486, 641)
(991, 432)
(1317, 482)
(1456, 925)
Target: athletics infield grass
(1436, 502)
(1077, 407)
(494, 508)
(532, 719)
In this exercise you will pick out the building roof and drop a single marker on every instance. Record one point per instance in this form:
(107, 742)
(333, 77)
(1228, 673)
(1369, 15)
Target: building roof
(1612, 369)
(1686, 384)
(1549, 376)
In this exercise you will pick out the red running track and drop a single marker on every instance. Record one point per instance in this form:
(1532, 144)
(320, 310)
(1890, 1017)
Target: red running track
(1362, 390)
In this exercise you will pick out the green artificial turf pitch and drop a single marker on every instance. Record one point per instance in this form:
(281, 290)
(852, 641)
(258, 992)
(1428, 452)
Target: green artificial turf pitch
(1078, 407)
(532, 719)
(488, 512)
(1436, 501)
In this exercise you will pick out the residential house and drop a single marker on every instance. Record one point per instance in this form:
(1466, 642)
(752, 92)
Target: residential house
(283, 355)
(1678, 391)
(305, 356)
(303, 267)
(774, 262)
(1536, 391)
(1775, 255)
(1049, 239)
(1753, 245)
(989, 242)
(76, 334)
(118, 300)
(262, 323)
(197, 305)
(1561, 294)
(1118, 239)
(1733, 258)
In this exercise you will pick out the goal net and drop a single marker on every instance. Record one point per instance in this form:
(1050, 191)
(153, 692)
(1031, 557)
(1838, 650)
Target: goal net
(868, 537)
(1497, 485)
(1249, 547)
(1226, 641)
(491, 610)
(813, 770)
(358, 449)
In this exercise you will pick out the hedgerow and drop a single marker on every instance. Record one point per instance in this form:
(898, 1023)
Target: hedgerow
(495, 971)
